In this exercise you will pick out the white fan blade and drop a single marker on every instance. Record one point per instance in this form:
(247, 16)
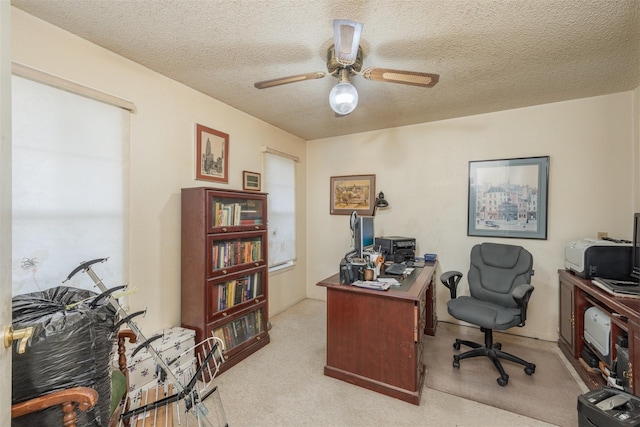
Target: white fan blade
(290, 79)
(346, 37)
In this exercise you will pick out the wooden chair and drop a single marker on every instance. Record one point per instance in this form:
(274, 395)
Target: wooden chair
(82, 398)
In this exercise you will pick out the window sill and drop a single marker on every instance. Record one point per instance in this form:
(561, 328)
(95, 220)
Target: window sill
(282, 268)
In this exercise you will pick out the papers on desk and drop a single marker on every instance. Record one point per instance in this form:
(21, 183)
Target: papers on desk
(390, 280)
(375, 285)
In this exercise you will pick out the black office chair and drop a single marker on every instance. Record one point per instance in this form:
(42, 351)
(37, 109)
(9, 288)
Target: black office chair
(499, 281)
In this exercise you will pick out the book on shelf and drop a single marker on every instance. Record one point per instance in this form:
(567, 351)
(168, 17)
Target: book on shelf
(229, 214)
(236, 214)
(237, 291)
(240, 330)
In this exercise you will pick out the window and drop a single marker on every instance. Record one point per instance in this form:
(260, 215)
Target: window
(280, 184)
(69, 187)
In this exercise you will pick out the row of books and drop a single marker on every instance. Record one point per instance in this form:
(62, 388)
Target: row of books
(230, 253)
(240, 330)
(238, 291)
(230, 214)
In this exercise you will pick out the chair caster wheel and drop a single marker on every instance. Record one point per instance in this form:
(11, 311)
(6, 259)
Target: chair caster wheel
(456, 345)
(497, 346)
(529, 370)
(456, 362)
(502, 381)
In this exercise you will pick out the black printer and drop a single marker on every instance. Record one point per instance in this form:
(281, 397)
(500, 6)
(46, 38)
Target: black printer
(396, 248)
(608, 407)
(590, 258)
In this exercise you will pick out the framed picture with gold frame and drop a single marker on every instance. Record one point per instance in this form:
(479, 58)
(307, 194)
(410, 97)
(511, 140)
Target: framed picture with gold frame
(352, 193)
(212, 154)
(250, 181)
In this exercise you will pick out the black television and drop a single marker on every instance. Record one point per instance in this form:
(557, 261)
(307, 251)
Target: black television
(364, 235)
(635, 248)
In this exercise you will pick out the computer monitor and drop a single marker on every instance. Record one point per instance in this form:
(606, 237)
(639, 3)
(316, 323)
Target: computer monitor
(635, 249)
(364, 235)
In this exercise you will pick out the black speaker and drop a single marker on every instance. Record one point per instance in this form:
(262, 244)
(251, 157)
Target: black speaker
(347, 272)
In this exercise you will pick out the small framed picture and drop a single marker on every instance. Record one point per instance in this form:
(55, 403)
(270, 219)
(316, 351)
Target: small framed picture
(212, 151)
(250, 181)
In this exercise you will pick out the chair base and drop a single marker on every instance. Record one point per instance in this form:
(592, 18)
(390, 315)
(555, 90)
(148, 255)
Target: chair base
(493, 352)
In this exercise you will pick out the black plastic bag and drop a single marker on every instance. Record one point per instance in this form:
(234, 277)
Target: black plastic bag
(72, 345)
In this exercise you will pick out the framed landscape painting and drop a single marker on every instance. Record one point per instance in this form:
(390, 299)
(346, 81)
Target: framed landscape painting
(508, 198)
(352, 193)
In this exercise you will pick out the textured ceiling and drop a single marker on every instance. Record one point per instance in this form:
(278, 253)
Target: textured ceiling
(490, 55)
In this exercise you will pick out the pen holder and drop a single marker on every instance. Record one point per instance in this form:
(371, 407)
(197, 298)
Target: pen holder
(369, 274)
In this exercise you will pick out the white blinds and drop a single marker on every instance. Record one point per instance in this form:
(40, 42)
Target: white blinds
(280, 184)
(69, 187)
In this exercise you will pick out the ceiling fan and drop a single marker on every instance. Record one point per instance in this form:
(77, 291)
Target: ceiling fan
(344, 59)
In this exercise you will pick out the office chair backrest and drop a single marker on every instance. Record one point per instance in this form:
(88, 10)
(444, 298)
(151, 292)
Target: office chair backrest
(496, 269)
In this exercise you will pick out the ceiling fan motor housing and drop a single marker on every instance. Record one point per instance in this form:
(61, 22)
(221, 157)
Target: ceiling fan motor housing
(333, 64)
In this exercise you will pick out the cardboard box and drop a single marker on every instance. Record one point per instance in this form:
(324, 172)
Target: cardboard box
(135, 393)
(142, 367)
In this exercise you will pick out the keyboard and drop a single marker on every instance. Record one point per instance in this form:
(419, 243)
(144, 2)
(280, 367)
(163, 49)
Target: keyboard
(395, 268)
(617, 286)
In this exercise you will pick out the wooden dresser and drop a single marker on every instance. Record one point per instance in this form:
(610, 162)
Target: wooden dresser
(576, 296)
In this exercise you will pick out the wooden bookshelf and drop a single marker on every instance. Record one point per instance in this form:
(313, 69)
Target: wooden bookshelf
(224, 278)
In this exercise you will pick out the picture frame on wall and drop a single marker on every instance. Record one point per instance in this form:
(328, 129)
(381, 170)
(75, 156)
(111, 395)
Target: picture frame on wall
(352, 193)
(508, 198)
(250, 181)
(212, 154)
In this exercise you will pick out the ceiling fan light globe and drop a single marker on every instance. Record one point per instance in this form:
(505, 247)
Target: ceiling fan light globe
(343, 98)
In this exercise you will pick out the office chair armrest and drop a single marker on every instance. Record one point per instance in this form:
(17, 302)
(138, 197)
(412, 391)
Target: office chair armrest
(451, 279)
(521, 296)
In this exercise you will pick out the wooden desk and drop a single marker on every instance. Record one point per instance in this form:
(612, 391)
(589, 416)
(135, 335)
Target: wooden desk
(577, 295)
(374, 338)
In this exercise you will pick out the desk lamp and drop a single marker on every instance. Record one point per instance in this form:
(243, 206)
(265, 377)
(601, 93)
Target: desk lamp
(381, 202)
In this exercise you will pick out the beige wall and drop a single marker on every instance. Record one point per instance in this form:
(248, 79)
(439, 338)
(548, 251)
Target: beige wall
(423, 171)
(162, 159)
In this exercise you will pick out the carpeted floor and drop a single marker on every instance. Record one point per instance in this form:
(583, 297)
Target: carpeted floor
(545, 395)
(283, 385)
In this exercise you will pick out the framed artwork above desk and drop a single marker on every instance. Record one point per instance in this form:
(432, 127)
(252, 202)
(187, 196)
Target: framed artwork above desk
(352, 193)
(508, 198)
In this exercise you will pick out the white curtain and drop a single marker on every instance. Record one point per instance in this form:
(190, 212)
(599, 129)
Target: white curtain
(280, 184)
(69, 187)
